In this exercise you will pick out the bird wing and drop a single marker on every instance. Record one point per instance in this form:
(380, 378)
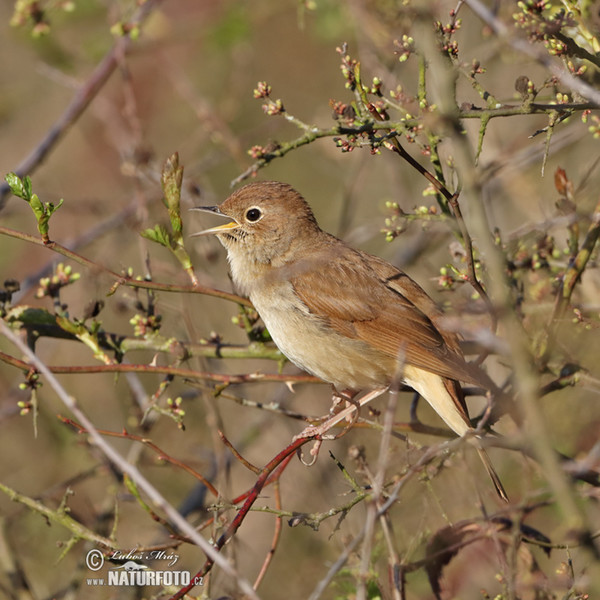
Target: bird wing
(365, 298)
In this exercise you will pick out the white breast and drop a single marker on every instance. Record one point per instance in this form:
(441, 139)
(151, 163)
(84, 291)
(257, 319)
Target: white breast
(310, 344)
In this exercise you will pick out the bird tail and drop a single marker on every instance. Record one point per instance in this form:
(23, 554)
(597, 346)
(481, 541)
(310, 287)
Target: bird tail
(446, 397)
(487, 463)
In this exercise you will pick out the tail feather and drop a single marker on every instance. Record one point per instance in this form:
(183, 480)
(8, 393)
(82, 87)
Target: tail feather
(446, 397)
(487, 463)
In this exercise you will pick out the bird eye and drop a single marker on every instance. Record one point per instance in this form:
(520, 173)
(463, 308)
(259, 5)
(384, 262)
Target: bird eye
(253, 214)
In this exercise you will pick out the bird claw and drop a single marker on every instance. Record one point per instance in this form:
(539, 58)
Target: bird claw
(314, 452)
(349, 413)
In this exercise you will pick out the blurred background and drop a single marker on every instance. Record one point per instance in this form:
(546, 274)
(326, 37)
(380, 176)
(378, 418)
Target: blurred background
(186, 85)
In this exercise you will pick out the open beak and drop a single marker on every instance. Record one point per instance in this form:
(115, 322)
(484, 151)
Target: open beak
(219, 228)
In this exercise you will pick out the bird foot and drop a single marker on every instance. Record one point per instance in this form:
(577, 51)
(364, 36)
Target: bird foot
(349, 413)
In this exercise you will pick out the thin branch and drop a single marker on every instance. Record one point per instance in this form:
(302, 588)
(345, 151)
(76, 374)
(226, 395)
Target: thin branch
(276, 537)
(576, 268)
(127, 468)
(522, 45)
(473, 112)
(62, 517)
(568, 282)
(162, 455)
(429, 455)
(237, 455)
(166, 370)
(471, 274)
(81, 101)
(121, 279)
(274, 468)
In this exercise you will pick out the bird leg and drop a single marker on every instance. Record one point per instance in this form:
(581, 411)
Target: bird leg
(319, 431)
(339, 397)
(413, 408)
(350, 413)
(348, 397)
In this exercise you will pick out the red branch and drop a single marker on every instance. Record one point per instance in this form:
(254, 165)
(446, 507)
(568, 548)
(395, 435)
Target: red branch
(271, 472)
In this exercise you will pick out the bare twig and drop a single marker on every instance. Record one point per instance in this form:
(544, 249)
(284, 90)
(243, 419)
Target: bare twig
(237, 455)
(132, 471)
(168, 370)
(276, 537)
(81, 101)
(121, 279)
(273, 469)
(162, 455)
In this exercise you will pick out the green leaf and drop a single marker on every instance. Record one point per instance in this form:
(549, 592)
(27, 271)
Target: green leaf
(22, 188)
(52, 208)
(37, 206)
(159, 235)
(19, 187)
(28, 186)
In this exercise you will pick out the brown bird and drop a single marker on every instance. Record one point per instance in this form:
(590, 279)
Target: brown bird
(340, 313)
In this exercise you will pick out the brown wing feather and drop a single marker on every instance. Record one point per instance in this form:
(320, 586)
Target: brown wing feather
(365, 298)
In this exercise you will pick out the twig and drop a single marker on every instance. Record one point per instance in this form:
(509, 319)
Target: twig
(81, 101)
(377, 486)
(125, 467)
(276, 537)
(273, 469)
(471, 274)
(121, 279)
(577, 266)
(310, 136)
(176, 371)
(137, 438)
(522, 45)
(237, 455)
(61, 517)
(425, 459)
(568, 282)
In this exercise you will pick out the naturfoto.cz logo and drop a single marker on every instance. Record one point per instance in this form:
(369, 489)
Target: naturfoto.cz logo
(134, 573)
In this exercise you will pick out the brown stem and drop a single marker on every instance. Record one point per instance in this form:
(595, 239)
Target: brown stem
(121, 279)
(168, 370)
(80, 102)
(137, 438)
(237, 455)
(275, 540)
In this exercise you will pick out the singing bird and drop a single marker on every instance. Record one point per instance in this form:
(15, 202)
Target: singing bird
(340, 313)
